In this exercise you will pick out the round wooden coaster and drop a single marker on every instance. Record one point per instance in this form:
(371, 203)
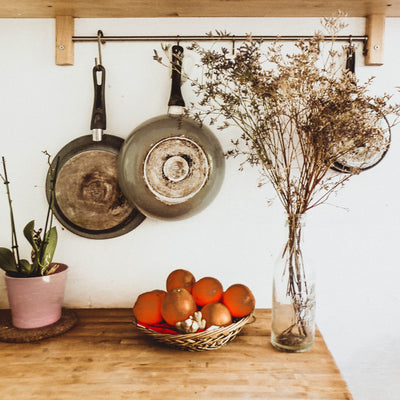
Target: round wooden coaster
(8, 333)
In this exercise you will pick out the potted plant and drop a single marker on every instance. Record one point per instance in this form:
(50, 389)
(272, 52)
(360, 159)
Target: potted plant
(35, 288)
(300, 115)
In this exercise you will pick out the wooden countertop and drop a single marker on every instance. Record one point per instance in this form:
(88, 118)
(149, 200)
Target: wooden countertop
(105, 357)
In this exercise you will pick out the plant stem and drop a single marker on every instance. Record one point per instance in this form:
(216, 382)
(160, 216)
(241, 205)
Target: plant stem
(14, 241)
(49, 216)
(297, 288)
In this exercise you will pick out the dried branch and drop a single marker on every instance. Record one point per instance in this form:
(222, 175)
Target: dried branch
(299, 113)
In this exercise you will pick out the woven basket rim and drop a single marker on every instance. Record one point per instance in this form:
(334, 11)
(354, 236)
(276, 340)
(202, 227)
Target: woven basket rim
(197, 335)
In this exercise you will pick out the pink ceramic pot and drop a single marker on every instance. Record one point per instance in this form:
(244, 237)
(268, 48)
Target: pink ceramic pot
(36, 301)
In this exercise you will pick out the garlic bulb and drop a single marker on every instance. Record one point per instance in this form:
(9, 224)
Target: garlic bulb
(192, 324)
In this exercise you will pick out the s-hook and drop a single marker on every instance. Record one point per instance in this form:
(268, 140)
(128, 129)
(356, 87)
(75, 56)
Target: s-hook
(99, 42)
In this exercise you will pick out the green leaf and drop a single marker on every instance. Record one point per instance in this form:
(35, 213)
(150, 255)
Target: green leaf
(50, 244)
(35, 271)
(7, 260)
(29, 234)
(26, 267)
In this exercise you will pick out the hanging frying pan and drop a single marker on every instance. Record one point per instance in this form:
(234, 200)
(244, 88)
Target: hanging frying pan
(364, 158)
(169, 166)
(88, 200)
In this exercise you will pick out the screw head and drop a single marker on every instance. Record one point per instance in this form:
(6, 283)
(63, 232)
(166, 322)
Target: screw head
(377, 47)
(61, 47)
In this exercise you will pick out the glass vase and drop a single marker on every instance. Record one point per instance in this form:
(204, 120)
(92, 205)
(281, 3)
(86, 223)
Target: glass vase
(293, 304)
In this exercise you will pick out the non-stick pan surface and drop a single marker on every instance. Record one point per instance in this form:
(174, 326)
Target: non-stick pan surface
(88, 200)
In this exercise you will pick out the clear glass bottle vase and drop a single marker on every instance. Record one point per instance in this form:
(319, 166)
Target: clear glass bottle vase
(293, 304)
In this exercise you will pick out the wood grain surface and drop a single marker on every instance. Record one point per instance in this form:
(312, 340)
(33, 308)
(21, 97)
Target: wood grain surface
(64, 45)
(105, 357)
(202, 8)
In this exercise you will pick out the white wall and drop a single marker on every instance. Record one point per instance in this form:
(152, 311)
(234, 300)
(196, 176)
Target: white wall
(354, 238)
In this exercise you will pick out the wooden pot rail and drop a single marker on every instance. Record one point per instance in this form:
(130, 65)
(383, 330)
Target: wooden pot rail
(373, 48)
(105, 357)
(65, 11)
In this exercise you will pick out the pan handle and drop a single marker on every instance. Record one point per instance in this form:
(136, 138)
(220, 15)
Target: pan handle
(351, 62)
(176, 102)
(98, 122)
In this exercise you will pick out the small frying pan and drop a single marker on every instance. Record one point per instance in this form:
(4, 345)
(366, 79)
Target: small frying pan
(363, 158)
(169, 166)
(88, 200)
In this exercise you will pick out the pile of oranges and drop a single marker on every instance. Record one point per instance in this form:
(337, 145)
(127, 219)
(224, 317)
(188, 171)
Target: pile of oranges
(184, 296)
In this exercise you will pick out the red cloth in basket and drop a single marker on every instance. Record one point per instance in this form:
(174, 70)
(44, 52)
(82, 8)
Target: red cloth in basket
(163, 327)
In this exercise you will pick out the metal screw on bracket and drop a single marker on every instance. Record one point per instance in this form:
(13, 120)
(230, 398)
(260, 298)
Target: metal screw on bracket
(61, 47)
(377, 47)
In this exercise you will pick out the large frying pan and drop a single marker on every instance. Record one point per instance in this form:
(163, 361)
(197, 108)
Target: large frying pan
(88, 200)
(364, 158)
(169, 167)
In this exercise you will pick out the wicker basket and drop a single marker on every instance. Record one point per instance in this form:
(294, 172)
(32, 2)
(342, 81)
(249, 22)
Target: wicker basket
(206, 340)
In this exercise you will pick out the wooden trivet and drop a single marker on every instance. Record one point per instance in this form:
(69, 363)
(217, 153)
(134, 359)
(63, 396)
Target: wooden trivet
(11, 334)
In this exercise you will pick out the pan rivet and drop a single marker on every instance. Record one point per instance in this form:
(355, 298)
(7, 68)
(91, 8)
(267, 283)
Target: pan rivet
(377, 47)
(61, 47)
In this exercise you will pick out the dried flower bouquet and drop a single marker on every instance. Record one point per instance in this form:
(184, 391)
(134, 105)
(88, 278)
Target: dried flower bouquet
(299, 114)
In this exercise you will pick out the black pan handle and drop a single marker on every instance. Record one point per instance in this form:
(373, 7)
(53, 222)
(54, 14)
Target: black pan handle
(351, 60)
(98, 123)
(176, 102)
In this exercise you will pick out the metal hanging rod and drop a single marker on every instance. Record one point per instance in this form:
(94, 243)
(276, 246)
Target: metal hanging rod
(231, 38)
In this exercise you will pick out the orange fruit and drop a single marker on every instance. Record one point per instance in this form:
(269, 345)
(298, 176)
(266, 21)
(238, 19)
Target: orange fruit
(239, 299)
(177, 305)
(180, 278)
(207, 290)
(159, 291)
(147, 308)
(216, 314)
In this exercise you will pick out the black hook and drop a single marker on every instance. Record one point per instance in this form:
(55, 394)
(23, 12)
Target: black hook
(351, 57)
(365, 46)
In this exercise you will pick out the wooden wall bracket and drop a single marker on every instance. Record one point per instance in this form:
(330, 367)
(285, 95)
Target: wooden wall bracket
(375, 30)
(64, 43)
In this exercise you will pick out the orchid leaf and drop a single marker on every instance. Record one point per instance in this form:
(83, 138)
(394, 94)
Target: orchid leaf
(7, 260)
(26, 267)
(35, 266)
(29, 233)
(50, 244)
